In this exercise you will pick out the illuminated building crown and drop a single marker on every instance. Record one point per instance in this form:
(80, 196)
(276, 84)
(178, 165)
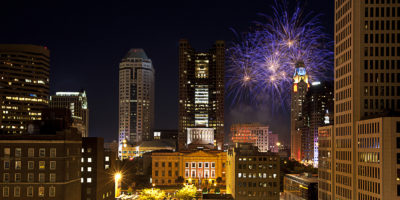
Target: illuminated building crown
(300, 73)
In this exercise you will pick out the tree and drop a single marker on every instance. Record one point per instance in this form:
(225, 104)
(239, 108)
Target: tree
(188, 192)
(152, 194)
(130, 190)
(217, 190)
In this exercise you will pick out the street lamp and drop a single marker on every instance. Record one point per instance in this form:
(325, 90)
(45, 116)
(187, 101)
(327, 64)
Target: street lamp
(117, 178)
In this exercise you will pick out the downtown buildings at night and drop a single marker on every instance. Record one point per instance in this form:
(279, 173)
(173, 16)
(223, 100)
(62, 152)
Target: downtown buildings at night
(77, 103)
(24, 85)
(317, 111)
(201, 94)
(256, 134)
(359, 157)
(136, 98)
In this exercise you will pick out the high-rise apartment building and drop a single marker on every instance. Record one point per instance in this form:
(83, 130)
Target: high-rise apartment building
(298, 93)
(77, 103)
(367, 66)
(136, 98)
(201, 91)
(317, 112)
(24, 85)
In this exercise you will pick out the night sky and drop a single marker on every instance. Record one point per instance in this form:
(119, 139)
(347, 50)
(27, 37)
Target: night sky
(88, 39)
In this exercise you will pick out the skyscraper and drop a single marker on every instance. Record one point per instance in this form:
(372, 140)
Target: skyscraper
(201, 91)
(77, 103)
(317, 112)
(136, 97)
(300, 88)
(365, 160)
(24, 85)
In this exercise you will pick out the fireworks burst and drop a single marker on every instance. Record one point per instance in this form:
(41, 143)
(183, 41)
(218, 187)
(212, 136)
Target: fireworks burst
(262, 62)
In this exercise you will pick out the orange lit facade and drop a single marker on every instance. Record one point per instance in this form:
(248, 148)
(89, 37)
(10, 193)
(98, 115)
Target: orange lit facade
(201, 168)
(242, 133)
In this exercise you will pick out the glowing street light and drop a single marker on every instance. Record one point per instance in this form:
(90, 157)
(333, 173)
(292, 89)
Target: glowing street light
(117, 178)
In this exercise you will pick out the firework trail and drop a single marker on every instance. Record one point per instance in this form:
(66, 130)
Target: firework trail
(261, 63)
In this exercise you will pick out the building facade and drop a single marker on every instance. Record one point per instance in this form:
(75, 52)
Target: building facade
(24, 86)
(201, 168)
(77, 103)
(255, 133)
(136, 98)
(300, 186)
(317, 112)
(97, 176)
(41, 166)
(201, 91)
(273, 142)
(325, 162)
(252, 174)
(298, 94)
(366, 64)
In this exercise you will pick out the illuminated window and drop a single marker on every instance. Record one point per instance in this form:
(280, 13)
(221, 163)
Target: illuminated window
(107, 158)
(18, 164)
(89, 160)
(41, 192)
(42, 164)
(89, 169)
(89, 180)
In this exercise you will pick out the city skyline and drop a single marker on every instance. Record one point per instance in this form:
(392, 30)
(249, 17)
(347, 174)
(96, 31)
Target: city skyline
(76, 46)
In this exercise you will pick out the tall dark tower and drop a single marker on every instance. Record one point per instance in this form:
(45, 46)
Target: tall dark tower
(300, 88)
(201, 93)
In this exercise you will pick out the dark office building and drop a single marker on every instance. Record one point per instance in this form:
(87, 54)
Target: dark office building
(97, 175)
(24, 85)
(301, 186)
(201, 91)
(317, 112)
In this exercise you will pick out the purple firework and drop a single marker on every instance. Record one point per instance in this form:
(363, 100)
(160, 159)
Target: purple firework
(262, 62)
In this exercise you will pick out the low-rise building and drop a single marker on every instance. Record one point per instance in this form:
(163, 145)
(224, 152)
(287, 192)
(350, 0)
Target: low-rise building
(252, 174)
(300, 186)
(201, 167)
(41, 166)
(97, 177)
